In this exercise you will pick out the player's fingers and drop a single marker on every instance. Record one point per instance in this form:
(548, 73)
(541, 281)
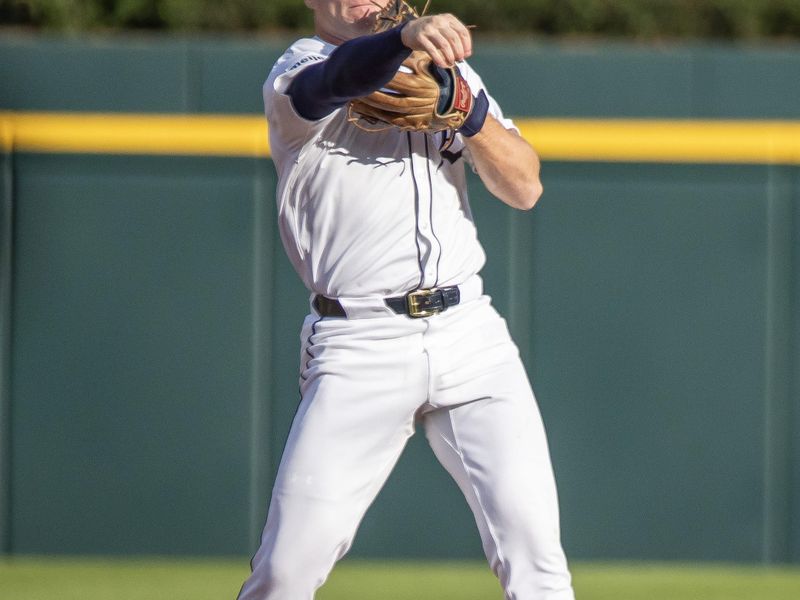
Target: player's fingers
(440, 31)
(436, 56)
(456, 33)
(456, 45)
(451, 26)
(465, 36)
(442, 44)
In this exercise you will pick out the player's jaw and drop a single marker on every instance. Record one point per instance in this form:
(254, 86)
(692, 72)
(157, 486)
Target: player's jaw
(337, 21)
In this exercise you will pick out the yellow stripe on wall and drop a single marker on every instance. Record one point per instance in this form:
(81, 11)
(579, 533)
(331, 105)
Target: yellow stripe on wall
(622, 140)
(759, 142)
(217, 135)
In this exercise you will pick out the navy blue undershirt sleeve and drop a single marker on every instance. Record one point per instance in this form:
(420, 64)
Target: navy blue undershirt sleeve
(356, 68)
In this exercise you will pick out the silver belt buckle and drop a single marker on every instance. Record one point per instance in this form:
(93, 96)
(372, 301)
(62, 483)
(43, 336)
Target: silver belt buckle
(413, 301)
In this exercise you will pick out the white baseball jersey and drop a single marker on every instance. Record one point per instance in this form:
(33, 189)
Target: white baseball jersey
(360, 223)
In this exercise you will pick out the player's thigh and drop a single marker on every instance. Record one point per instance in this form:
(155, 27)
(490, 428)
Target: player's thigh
(359, 395)
(488, 416)
(500, 440)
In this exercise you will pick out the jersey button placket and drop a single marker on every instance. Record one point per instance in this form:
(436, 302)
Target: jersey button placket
(426, 239)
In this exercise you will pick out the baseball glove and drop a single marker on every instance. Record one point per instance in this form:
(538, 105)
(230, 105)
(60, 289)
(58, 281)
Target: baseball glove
(395, 13)
(421, 97)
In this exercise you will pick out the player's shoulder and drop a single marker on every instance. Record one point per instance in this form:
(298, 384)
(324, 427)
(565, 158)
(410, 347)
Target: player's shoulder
(288, 130)
(301, 53)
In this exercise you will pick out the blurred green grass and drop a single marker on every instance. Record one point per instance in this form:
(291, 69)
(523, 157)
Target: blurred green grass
(175, 579)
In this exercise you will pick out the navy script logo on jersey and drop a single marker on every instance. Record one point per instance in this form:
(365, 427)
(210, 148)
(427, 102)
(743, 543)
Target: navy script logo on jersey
(306, 60)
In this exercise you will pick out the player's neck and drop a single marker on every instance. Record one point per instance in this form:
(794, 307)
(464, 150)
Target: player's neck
(330, 38)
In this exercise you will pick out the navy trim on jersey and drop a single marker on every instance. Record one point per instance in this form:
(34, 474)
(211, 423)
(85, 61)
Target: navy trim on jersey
(356, 68)
(416, 212)
(433, 232)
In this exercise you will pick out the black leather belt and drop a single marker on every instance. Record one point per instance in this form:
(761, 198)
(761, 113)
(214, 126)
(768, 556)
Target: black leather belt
(416, 304)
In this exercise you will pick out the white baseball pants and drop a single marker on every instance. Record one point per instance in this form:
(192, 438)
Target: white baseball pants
(364, 382)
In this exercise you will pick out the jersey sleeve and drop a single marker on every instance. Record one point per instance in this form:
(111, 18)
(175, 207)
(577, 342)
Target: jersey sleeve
(288, 130)
(476, 85)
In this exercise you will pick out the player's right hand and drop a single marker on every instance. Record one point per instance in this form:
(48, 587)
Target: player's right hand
(444, 37)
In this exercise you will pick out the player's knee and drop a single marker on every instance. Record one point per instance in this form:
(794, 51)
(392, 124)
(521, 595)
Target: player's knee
(284, 574)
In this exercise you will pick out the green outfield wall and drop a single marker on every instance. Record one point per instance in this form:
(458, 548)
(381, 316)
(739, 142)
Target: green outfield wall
(149, 319)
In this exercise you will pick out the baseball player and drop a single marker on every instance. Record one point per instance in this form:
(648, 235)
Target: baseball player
(375, 220)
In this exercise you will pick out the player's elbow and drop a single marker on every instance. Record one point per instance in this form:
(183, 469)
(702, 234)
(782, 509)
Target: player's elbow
(534, 193)
(528, 195)
(521, 190)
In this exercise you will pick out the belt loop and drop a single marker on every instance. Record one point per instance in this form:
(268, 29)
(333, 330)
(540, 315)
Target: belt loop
(328, 307)
(451, 296)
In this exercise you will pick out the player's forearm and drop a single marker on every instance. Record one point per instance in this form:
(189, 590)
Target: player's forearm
(356, 68)
(507, 164)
